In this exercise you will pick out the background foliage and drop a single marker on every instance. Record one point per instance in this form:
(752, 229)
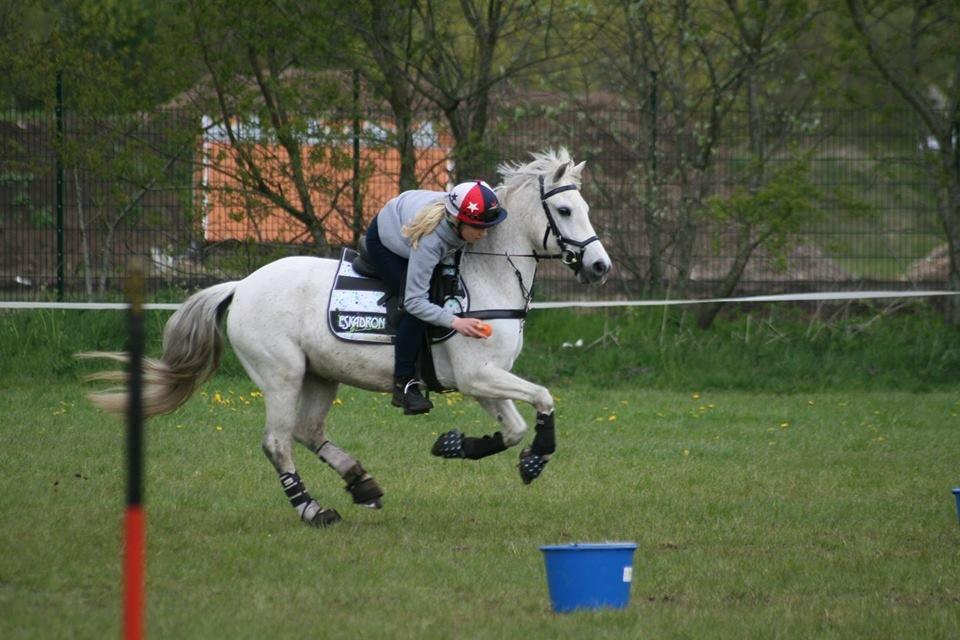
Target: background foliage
(684, 110)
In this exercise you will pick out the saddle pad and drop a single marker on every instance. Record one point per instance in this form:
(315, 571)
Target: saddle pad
(356, 314)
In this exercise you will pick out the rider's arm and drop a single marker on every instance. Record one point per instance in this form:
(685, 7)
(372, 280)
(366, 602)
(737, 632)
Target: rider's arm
(416, 296)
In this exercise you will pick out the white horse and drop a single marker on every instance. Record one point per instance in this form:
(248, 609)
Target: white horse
(277, 329)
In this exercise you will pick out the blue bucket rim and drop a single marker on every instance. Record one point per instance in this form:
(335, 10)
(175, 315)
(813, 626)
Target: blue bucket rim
(587, 546)
(956, 489)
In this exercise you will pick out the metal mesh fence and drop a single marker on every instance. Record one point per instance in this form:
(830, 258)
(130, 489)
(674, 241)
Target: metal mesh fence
(78, 202)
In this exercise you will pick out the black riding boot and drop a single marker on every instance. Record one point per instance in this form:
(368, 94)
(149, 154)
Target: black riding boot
(406, 394)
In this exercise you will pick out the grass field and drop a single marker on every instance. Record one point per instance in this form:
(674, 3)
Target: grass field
(757, 515)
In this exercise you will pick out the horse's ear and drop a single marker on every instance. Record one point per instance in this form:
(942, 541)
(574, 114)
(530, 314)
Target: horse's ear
(561, 170)
(578, 169)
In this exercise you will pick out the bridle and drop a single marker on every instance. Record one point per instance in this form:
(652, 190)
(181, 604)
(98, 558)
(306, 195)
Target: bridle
(569, 257)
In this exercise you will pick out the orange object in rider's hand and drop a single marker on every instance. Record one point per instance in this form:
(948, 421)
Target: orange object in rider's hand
(485, 329)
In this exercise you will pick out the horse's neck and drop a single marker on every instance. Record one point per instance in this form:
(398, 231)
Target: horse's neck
(492, 272)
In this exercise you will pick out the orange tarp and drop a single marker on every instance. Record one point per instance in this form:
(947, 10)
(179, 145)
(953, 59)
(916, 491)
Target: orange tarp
(232, 212)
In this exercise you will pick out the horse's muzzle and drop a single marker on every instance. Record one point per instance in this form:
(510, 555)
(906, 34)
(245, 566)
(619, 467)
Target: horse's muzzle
(595, 272)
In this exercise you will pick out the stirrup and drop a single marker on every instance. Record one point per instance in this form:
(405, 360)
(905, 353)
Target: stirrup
(413, 382)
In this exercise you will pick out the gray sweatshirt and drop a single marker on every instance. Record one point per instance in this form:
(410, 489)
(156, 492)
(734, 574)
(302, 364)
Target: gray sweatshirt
(434, 247)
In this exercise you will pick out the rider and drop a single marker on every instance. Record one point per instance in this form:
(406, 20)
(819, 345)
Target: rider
(411, 235)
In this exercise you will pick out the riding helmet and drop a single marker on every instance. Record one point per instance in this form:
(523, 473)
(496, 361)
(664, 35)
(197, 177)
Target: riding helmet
(475, 203)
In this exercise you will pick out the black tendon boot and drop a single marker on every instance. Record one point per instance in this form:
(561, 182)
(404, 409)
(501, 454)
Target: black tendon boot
(406, 394)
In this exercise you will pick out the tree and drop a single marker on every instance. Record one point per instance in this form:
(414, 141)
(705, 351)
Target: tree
(503, 39)
(283, 118)
(387, 58)
(455, 54)
(761, 214)
(114, 64)
(915, 49)
(689, 68)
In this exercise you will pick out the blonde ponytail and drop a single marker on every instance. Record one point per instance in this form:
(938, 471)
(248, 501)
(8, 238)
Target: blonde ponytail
(424, 222)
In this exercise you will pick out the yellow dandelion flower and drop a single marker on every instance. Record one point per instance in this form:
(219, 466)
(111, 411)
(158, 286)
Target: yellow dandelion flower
(686, 452)
(338, 401)
(612, 418)
(695, 396)
(219, 428)
(784, 425)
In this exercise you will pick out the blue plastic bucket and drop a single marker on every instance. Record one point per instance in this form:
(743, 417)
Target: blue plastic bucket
(589, 575)
(956, 494)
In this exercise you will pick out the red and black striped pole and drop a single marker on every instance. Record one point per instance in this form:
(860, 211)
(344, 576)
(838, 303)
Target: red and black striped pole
(135, 516)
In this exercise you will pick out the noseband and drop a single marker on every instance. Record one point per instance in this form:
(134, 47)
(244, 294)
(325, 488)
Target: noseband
(568, 256)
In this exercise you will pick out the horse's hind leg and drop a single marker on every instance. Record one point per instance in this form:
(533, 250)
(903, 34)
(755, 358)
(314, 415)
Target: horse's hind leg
(316, 398)
(278, 447)
(279, 373)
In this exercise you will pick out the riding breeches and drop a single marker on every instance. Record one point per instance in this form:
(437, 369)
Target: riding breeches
(411, 330)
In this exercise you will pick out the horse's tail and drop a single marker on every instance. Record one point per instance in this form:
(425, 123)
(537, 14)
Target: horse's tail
(192, 347)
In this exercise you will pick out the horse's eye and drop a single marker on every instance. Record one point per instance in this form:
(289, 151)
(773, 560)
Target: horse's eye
(564, 211)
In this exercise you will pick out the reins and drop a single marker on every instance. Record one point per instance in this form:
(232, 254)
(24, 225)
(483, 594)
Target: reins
(505, 314)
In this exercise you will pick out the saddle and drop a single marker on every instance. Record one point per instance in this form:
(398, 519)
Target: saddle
(361, 309)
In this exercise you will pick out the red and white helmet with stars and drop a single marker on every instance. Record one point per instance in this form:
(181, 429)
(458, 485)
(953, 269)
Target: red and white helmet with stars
(475, 203)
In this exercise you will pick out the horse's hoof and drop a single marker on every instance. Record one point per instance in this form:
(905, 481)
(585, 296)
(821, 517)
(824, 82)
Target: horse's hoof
(324, 518)
(366, 492)
(449, 445)
(531, 465)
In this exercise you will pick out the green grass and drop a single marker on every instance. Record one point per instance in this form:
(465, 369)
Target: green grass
(786, 474)
(757, 515)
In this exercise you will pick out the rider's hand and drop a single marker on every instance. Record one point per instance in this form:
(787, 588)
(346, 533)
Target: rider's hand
(470, 327)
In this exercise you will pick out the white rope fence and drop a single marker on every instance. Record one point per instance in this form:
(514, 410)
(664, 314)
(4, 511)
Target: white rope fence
(786, 297)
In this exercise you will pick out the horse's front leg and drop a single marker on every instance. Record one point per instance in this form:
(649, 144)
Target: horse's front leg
(495, 390)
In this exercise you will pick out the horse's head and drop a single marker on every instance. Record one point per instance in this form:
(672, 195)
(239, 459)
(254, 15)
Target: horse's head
(555, 217)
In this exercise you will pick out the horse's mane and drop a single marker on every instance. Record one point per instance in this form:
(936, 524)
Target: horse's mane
(544, 163)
